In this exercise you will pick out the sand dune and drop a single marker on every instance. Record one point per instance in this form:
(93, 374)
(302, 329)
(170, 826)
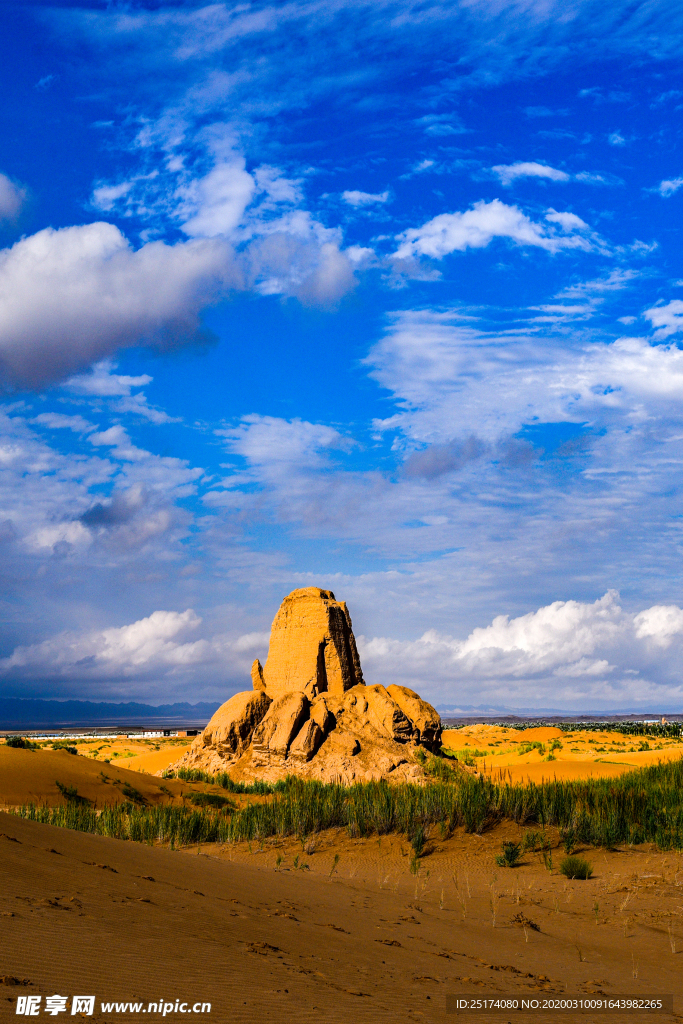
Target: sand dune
(156, 760)
(31, 776)
(367, 943)
(507, 754)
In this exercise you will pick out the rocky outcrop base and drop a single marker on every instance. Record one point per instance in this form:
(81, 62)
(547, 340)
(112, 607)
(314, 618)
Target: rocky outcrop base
(367, 733)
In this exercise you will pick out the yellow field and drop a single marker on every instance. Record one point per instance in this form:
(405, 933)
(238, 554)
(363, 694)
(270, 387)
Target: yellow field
(137, 755)
(547, 752)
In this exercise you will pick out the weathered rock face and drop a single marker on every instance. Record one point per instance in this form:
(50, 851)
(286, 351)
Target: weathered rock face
(312, 647)
(310, 712)
(232, 725)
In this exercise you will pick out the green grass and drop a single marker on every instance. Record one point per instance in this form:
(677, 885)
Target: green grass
(641, 806)
(576, 867)
(509, 858)
(211, 800)
(21, 742)
(225, 781)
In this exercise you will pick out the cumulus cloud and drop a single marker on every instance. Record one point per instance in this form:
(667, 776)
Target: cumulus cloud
(163, 647)
(75, 295)
(509, 172)
(12, 198)
(477, 227)
(153, 642)
(566, 654)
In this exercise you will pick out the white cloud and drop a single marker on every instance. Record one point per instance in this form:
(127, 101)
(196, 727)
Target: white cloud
(12, 198)
(101, 382)
(661, 623)
(448, 376)
(596, 655)
(616, 139)
(161, 647)
(477, 227)
(668, 188)
(73, 296)
(218, 200)
(666, 319)
(151, 643)
(615, 281)
(509, 172)
(117, 438)
(280, 445)
(567, 221)
(59, 421)
(139, 406)
(356, 198)
(105, 197)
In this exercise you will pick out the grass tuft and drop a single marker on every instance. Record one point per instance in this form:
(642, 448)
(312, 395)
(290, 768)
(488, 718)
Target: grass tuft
(576, 867)
(509, 858)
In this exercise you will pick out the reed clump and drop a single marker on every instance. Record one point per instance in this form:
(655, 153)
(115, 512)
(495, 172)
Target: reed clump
(642, 806)
(225, 781)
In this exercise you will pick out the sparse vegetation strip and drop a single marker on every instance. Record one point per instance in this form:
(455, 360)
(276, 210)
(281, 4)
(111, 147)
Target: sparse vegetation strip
(225, 781)
(641, 806)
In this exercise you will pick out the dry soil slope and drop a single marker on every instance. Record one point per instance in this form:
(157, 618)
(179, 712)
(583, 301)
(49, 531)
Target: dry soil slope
(31, 776)
(298, 946)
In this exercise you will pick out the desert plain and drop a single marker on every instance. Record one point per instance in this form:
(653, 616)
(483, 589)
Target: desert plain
(330, 928)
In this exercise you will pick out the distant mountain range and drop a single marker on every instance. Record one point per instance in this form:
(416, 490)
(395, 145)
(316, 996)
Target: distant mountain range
(501, 711)
(17, 713)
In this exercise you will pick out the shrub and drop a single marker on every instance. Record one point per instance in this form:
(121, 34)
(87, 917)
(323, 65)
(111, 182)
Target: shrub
(576, 867)
(22, 742)
(63, 745)
(211, 800)
(71, 794)
(637, 807)
(510, 856)
(132, 794)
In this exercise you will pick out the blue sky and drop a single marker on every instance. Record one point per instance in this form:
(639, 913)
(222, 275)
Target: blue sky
(382, 297)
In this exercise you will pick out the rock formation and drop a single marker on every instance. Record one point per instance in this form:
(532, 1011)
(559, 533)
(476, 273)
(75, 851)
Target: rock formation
(310, 712)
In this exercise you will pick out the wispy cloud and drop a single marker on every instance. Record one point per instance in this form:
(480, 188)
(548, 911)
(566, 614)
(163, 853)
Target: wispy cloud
(509, 172)
(669, 186)
(356, 198)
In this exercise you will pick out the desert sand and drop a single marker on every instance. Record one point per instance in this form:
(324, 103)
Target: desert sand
(362, 940)
(582, 754)
(31, 776)
(332, 928)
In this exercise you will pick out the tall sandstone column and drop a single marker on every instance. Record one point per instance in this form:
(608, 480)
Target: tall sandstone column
(312, 647)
